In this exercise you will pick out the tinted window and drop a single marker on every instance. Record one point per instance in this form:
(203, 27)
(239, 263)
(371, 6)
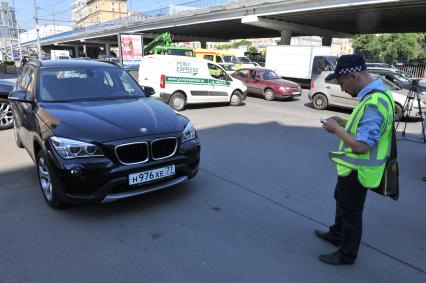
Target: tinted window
(208, 57)
(242, 73)
(180, 52)
(219, 59)
(217, 72)
(270, 75)
(231, 59)
(87, 83)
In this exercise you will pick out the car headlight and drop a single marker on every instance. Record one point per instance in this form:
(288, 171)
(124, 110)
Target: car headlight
(283, 88)
(68, 148)
(188, 133)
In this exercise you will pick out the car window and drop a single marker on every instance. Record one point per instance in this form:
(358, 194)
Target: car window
(219, 59)
(231, 59)
(243, 73)
(270, 75)
(217, 72)
(87, 83)
(30, 85)
(253, 75)
(24, 80)
(208, 57)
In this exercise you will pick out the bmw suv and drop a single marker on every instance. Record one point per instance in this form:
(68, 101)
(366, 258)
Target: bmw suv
(96, 136)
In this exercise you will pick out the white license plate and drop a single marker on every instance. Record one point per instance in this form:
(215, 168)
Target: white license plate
(296, 92)
(151, 175)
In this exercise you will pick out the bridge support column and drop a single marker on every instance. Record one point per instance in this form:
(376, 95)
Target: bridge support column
(327, 40)
(203, 44)
(85, 50)
(285, 37)
(77, 51)
(107, 49)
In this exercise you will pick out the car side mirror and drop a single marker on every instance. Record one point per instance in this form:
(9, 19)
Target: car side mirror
(19, 95)
(149, 90)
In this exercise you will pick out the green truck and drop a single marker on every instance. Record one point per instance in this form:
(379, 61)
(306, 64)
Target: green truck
(162, 44)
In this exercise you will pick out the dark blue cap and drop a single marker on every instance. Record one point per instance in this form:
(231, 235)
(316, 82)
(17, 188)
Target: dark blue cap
(347, 64)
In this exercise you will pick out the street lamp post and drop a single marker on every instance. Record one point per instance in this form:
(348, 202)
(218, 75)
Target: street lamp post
(37, 29)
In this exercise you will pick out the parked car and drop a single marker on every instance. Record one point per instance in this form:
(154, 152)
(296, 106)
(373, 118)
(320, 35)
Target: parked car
(96, 136)
(381, 65)
(398, 78)
(267, 83)
(6, 116)
(324, 94)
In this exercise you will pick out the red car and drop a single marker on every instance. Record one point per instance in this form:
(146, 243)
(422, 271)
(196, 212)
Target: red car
(267, 83)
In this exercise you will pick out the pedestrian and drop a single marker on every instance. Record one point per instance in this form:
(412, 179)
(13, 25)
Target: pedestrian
(365, 140)
(24, 61)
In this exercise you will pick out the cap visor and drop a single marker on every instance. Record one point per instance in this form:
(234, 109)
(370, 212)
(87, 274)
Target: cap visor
(330, 77)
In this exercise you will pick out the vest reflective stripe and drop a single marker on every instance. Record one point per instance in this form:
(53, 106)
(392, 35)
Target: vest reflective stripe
(370, 166)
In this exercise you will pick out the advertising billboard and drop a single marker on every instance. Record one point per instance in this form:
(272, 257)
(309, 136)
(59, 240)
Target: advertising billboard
(131, 49)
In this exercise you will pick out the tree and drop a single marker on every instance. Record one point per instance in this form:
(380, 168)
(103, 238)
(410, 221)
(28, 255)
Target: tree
(391, 47)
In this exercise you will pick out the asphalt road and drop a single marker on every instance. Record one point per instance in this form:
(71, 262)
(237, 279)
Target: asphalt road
(264, 185)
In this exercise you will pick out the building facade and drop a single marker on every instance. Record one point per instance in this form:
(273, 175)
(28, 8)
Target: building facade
(8, 26)
(91, 12)
(44, 31)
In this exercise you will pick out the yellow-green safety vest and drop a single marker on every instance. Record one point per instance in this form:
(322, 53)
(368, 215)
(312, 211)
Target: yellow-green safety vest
(371, 165)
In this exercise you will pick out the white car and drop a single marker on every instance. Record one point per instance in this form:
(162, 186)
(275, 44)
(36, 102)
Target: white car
(324, 94)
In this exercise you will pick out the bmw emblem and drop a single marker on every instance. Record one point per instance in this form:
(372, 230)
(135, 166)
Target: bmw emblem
(143, 130)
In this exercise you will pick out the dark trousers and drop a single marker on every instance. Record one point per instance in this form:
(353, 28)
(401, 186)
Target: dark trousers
(347, 229)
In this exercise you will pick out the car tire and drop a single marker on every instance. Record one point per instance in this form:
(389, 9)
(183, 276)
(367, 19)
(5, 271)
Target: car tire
(320, 101)
(17, 137)
(269, 94)
(177, 101)
(236, 98)
(398, 112)
(47, 183)
(6, 116)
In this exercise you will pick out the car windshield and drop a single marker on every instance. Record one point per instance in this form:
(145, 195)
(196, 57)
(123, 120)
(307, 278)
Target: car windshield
(87, 83)
(270, 75)
(231, 59)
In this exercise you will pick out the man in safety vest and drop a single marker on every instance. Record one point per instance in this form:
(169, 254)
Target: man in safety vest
(365, 140)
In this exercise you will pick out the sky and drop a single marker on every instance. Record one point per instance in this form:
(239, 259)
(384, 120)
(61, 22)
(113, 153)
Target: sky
(62, 10)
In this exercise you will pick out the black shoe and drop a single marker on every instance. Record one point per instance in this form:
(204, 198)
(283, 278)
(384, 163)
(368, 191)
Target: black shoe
(327, 237)
(336, 258)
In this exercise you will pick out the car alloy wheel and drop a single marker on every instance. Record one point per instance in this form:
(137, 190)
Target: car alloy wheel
(6, 116)
(269, 94)
(44, 178)
(319, 101)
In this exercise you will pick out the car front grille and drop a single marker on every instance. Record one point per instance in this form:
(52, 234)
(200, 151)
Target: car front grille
(163, 148)
(132, 153)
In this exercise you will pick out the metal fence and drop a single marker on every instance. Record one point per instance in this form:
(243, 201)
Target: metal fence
(417, 70)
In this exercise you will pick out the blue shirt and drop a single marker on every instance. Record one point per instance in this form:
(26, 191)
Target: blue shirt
(369, 127)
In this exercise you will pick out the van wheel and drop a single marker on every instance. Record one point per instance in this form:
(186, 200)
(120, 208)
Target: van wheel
(269, 94)
(398, 112)
(177, 101)
(236, 98)
(319, 101)
(47, 183)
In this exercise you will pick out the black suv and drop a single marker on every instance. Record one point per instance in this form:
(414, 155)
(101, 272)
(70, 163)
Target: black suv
(96, 135)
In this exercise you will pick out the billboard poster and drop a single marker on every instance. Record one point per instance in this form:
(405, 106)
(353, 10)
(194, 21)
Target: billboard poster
(131, 49)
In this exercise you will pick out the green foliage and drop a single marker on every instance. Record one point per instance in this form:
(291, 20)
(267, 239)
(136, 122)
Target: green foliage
(9, 63)
(253, 49)
(235, 44)
(391, 47)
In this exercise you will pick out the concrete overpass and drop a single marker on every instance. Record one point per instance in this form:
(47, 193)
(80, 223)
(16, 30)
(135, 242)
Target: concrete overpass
(261, 19)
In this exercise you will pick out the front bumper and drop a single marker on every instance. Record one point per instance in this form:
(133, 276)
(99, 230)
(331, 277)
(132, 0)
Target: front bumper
(104, 179)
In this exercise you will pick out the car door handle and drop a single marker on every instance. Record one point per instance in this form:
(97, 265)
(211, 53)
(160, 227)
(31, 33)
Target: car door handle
(327, 87)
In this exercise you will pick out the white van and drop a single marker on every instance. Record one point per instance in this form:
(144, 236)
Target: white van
(181, 80)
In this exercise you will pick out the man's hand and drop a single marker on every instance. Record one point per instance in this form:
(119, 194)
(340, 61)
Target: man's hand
(331, 125)
(342, 122)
